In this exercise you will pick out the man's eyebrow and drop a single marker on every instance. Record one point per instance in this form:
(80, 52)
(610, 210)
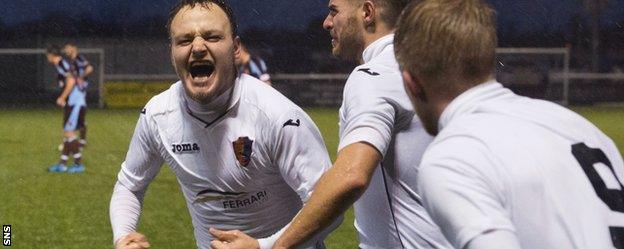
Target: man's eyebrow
(333, 7)
(201, 32)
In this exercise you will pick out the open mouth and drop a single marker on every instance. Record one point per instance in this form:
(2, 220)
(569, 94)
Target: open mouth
(201, 69)
(334, 40)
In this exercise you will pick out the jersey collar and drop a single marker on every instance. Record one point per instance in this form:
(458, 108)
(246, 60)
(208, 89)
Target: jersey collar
(469, 100)
(236, 93)
(377, 47)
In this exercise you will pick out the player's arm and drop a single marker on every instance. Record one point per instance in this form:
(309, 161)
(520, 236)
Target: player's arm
(495, 239)
(88, 68)
(302, 158)
(463, 193)
(70, 81)
(142, 164)
(335, 192)
(125, 210)
(88, 71)
(367, 129)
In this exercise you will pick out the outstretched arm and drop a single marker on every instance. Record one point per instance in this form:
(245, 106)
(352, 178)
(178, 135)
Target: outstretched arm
(142, 164)
(335, 192)
(235, 239)
(125, 210)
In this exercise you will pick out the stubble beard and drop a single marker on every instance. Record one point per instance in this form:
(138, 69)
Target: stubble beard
(207, 97)
(351, 43)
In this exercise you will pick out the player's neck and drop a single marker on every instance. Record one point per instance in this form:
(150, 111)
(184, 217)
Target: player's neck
(372, 35)
(214, 108)
(439, 99)
(375, 33)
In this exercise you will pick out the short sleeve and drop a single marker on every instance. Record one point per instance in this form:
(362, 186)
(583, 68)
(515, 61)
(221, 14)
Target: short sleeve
(368, 113)
(299, 152)
(461, 190)
(64, 68)
(143, 162)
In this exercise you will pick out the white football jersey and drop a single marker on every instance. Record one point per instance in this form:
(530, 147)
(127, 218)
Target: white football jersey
(249, 170)
(525, 166)
(376, 110)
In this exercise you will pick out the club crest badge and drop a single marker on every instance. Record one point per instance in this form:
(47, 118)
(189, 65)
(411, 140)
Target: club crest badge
(242, 150)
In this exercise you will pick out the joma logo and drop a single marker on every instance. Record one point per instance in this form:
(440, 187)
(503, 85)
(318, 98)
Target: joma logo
(185, 148)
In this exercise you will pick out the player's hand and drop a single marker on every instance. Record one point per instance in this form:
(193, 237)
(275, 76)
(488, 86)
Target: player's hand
(132, 240)
(61, 102)
(232, 240)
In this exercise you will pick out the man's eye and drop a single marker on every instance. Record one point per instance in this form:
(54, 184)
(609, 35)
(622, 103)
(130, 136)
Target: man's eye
(184, 42)
(214, 38)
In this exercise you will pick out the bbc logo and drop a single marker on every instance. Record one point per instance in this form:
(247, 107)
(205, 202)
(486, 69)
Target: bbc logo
(6, 235)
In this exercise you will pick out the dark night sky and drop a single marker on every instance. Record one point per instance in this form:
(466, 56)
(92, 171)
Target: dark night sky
(551, 14)
(521, 23)
(294, 14)
(524, 15)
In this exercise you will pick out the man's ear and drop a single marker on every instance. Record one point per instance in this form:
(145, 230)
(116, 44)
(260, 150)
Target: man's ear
(370, 11)
(237, 46)
(171, 58)
(413, 86)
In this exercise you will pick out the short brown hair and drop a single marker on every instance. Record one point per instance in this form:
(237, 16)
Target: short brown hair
(204, 3)
(391, 9)
(439, 39)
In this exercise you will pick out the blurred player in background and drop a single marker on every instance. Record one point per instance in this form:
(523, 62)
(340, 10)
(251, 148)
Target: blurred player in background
(82, 69)
(245, 156)
(72, 100)
(381, 140)
(504, 171)
(252, 65)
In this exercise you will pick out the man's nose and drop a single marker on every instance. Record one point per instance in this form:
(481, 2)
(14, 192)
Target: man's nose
(327, 23)
(199, 47)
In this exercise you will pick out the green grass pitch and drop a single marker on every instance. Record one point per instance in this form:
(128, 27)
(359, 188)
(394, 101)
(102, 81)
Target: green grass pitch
(71, 211)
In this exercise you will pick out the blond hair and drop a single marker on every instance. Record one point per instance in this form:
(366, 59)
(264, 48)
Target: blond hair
(447, 39)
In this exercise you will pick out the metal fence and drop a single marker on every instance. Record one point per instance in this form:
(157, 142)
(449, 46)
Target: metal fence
(25, 76)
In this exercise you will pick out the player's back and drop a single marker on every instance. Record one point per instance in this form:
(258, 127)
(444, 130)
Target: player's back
(77, 95)
(556, 176)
